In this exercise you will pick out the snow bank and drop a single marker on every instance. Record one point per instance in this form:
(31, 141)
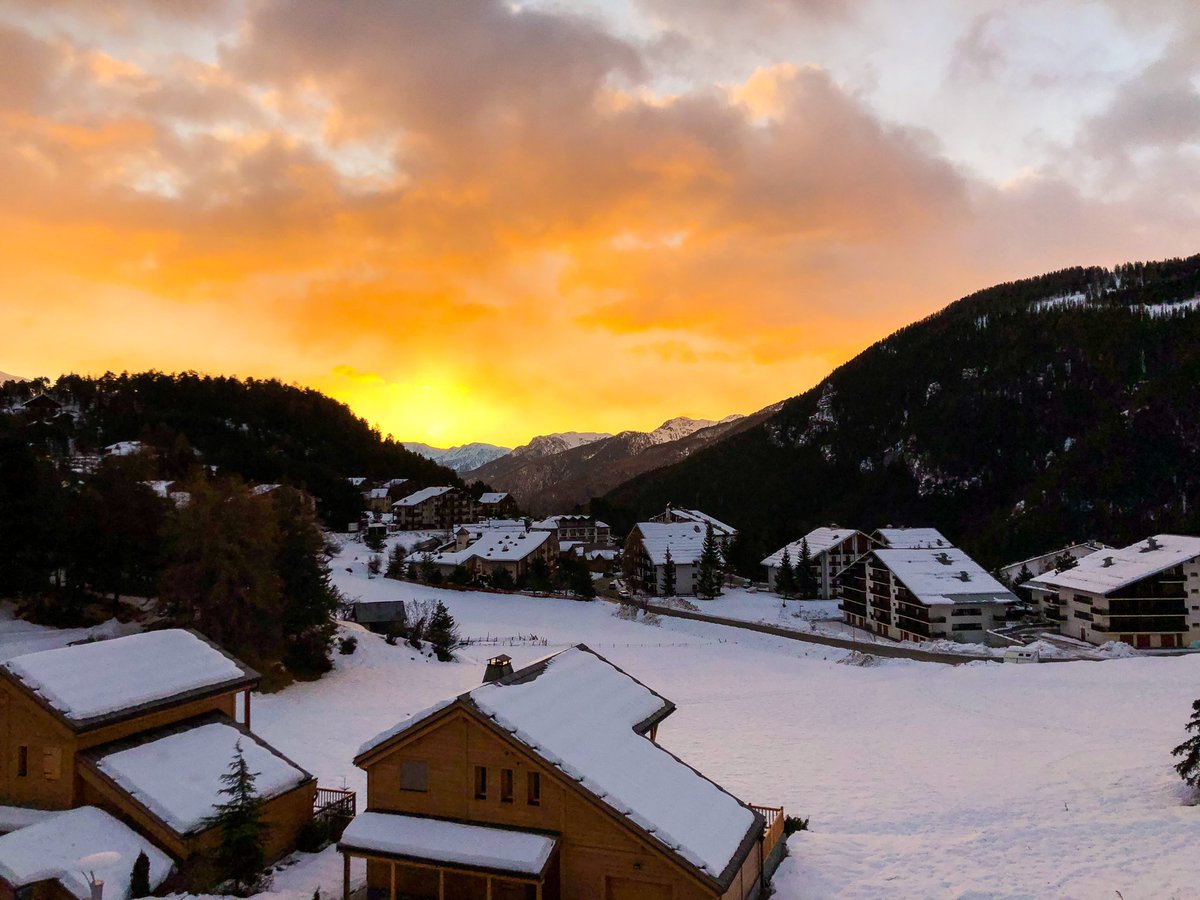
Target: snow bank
(62, 846)
(178, 777)
(90, 680)
(449, 842)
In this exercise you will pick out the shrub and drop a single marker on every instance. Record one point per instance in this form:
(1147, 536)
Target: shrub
(792, 824)
(347, 645)
(313, 837)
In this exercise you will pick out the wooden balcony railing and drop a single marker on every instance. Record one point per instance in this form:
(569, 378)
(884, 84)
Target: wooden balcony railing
(773, 831)
(335, 808)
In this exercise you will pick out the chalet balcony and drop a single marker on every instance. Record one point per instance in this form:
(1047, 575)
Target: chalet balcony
(1056, 615)
(1144, 624)
(334, 809)
(773, 830)
(1142, 607)
(852, 607)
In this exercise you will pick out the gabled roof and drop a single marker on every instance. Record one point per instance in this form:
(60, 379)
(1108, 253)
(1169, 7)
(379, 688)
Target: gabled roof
(490, 497)
(422, 495)
(819, 540)
(912, 538)
(587, 718)
(695, 515)
(61, 847)
(174, 773)
(1078, 551)
(685, 540)
(94, 684)
(948, 576)
(498, 545)
(1109, 570)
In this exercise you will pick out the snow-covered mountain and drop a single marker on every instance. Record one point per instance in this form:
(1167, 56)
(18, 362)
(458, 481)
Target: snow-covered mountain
(682, 426)
(549, 444)
(462, 458)
(4, 376)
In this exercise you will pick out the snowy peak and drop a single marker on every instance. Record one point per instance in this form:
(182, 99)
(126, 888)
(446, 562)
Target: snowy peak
(462, 458)
(550, 444)
(682, 426)
(4, 377)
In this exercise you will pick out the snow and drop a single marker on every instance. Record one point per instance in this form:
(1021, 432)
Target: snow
(939, 577)
(912, 538)
(18, 637)
(1060, 301)
(462, 458)
(500, 546)
(90, 680)
(701, 518)
(68, 845)
(178, 777)
(819, 540)
(13, 818)
(685, 540)
(450, 842)
(422, 495)
(678, 428)
(1108, 570)
(491, 497)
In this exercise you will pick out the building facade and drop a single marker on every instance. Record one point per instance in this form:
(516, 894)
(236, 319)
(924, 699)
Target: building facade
(435, 509)
(831, 550)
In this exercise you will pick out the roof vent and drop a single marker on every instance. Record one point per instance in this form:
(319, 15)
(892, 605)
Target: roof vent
(943, 558)
(497, 667)
(1108, 561)
(964, 575)
(1153, 544)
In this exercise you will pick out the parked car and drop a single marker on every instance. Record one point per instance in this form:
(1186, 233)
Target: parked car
(624, 594)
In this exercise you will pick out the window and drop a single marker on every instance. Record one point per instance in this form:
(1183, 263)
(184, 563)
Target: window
(414, 775)
(22, 761)
(533, 784)
(506, 785)
(52, 763)
(480, 783)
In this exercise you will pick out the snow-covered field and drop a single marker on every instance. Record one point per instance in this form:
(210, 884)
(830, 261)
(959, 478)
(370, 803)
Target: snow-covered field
(920, 780)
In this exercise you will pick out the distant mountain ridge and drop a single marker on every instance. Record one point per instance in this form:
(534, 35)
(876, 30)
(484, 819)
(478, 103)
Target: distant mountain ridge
(556, 473)
(1055, 408)
(462, 458)
(5, 376)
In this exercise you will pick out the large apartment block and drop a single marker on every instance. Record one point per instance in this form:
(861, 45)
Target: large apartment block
(1146, 594)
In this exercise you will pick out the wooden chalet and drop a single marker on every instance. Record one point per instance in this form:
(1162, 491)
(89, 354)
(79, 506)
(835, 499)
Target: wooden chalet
(141, 727)
(548, 783)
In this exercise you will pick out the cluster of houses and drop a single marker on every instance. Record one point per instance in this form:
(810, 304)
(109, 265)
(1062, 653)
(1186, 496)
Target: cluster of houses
(913, 584)
(545, 782)
(397, 505)
(673, 540)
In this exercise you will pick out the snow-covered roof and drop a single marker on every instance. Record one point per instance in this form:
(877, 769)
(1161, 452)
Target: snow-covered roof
(491, 525)
(501, 546)
(695, 515)
(124, 448)
(125, 674)
(1108, 570)
(550, 523)
(176, 774)
(685, 540)
(422, 495)
(490, 497)
(453, 843)
(912, 538)
(941, 577)
(356, 480)
(1038, 564)
(584, 716)
(819, 540)
(379, 493)
(68, 845)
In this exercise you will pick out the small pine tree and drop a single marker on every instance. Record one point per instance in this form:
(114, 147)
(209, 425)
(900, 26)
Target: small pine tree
(427, 569)
(374, 564)
(395, 565)
(669, 575)
(240, 855)
(710, 576)
(806, 577)
(1064, 561)
(1189, 766)
(502, 580)
(785, 578)
(374, 539)
(442, 633)
(1024, 575)
(139, 877)
(581, 583)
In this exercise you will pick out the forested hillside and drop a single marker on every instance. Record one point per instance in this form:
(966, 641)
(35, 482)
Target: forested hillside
(263, 431)
(1019, 418)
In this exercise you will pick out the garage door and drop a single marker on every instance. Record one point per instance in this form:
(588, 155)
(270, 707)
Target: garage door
(628, 889)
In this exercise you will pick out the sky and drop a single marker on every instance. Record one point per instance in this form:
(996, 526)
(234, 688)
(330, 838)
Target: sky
(477, 220)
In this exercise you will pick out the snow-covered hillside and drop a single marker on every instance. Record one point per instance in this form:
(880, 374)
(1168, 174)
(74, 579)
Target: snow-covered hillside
(462, 458)
(4, 376)
(682, 426)
(550, 444)
(921, 780)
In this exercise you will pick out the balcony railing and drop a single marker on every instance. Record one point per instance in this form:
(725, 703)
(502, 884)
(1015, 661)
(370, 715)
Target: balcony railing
(334, 808)
(1144, 624)
(773, 830)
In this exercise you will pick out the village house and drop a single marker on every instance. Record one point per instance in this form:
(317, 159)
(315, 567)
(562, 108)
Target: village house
(497, 505)
(1146, 595)
(1038, 565)
(435, 508)
(831, 550)
(141, 727)
(723, 534)
(923, 594)
(548, 783)
(646, 550)
(576, 529)
(377, 500)
(495, 549)
(462, 536)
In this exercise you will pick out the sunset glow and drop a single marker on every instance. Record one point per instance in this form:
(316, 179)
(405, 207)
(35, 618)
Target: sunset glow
(481, 220)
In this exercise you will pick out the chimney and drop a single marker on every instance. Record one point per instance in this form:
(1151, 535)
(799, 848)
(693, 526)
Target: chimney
(497, 667)
(964, 575)
(1152, 544)
(1108, 561)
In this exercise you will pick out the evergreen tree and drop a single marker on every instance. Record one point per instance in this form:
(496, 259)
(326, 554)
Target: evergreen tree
(582, 585)
(442, 633)
(396, 558)
(710, 576)
(309, 597)
(1023, 576)
(1189, 766)
(1064, 561)
(374, 564)
(785, 578)
(537, 577)
(427, 570)
(669, 575)
(461, 575)
(240, 855)
(139, 877)
(374, 539)
(806, 576)
(502, 580)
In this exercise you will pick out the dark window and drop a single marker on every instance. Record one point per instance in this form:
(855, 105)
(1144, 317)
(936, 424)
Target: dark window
(506, 785)
(968, 626)
(22, 761)
(534, 785)
(480, 782)
(414, 775)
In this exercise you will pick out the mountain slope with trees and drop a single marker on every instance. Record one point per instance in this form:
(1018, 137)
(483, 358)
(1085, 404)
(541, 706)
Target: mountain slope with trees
(1018, 419)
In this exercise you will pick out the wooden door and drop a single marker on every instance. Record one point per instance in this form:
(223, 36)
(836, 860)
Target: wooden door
(629, 889)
